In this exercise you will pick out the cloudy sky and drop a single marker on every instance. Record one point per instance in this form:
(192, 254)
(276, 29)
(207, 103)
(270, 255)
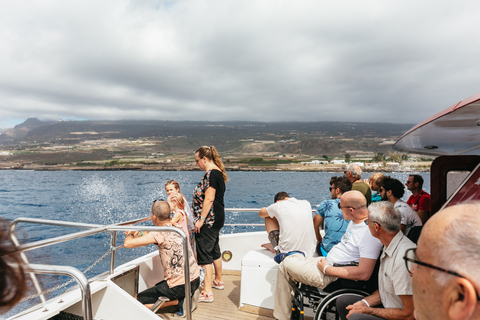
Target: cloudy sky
(260, 60)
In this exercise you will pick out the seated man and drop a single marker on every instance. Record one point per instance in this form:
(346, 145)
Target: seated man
(289, 225)
(419, 200)
(358, 249)
(330, 215)
(354, 173)
(170, 247)
(392, 190)
(394, 286)
(445, 277)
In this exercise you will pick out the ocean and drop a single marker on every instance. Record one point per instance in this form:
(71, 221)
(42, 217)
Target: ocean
(107, 197)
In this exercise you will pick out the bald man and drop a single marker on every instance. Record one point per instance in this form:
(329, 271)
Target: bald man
(358, 249)
(446, 265)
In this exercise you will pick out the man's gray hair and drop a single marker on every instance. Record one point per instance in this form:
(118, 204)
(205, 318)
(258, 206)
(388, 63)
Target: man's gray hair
(386, 215)
(355, 170)
(459, 248)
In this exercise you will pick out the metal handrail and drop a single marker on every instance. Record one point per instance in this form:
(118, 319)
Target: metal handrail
(94, 229)
(73, 272)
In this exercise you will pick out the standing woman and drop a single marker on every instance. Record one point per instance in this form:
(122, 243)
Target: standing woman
(208, 209)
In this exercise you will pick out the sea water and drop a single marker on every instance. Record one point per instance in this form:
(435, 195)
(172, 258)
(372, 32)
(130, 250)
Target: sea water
(107, 197)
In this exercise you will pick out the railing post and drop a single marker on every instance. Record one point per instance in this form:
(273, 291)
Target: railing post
(186, 265)
(113, 245)
(75, 274)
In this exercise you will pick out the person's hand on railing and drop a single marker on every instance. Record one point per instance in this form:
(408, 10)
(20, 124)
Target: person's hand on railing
(134, 234)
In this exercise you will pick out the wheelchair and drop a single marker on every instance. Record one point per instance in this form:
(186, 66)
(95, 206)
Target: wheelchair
(323, 302)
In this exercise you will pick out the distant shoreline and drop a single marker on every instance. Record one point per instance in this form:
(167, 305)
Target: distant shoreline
(292, 168)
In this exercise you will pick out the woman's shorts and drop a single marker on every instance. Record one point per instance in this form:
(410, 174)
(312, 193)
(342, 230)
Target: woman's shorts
(208, 248)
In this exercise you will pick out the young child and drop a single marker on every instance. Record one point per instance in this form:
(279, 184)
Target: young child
(172, 186)
(177, 205)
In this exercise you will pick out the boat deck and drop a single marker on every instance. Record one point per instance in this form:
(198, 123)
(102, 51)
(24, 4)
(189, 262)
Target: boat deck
(225, 306)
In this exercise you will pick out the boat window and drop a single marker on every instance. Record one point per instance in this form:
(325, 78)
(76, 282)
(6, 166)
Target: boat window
(454, 180)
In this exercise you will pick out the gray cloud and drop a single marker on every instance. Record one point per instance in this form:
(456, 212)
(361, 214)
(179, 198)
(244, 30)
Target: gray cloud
(254, 60)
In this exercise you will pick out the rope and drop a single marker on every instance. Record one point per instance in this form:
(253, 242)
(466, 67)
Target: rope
(71, 280)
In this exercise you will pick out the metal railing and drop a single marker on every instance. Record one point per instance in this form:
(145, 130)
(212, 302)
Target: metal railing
(82, 281)
(79, 277)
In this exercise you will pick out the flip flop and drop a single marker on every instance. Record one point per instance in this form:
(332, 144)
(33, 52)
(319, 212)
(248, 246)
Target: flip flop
(205, 297)
(218, 285)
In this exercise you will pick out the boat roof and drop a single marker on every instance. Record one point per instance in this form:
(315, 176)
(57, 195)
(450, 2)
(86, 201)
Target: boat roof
(453, 131)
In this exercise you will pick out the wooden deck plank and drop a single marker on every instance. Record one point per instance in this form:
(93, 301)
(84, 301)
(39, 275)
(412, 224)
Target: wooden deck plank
(225, 305)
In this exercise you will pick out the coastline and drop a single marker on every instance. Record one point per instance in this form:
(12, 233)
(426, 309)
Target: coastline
(420, 167)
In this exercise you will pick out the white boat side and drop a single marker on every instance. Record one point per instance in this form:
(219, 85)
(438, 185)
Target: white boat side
(117, 287)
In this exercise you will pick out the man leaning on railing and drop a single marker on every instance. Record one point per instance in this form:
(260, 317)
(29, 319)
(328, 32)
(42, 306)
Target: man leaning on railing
(170, 247)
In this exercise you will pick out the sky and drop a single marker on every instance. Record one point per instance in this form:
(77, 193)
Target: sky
(218, 60)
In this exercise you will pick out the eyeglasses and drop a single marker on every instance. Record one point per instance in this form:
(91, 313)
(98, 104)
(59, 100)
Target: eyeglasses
(366, 222)
(410, 260)
(158, 200)
(380, 190)
(340, 207)
(330, 189)
(408, 182)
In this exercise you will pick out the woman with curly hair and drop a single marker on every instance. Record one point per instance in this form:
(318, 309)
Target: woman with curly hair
(12, 278)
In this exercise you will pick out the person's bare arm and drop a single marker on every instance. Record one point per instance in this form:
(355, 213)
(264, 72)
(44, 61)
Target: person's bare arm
(317, 223)
(263, 213)
(361, 272)
(134, 239)
(424, 215)
(385, 313)
(372, 300)
(177, 217)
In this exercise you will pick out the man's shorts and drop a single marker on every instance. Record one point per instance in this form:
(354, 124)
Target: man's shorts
(208, 248)
(161, 289)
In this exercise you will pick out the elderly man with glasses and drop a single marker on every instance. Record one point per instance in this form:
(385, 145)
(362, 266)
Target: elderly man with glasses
(393, 299)
(357, 253)
(445, 266)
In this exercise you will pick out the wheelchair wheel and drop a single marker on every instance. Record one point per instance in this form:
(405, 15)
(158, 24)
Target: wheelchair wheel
(327, 309)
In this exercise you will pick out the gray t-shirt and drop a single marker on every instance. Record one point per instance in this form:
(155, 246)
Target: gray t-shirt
(409, 217)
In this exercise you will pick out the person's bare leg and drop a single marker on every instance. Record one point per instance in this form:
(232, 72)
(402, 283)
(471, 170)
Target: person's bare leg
(268, 246)
(164, 305)
(272, 228)
(208, 280)
(271, 224)
(217, 264)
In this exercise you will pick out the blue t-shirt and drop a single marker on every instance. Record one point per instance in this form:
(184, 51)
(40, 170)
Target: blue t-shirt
(376, 196)
(334, 223)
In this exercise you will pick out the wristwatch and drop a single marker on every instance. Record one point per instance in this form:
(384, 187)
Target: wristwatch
(202, 218)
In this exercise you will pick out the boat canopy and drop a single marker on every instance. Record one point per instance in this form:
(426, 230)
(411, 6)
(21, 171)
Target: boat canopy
(453, 131)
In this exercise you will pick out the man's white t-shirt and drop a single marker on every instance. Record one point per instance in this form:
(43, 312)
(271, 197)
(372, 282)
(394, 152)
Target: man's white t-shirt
(296, 225)
(410, 218)
(356, 243)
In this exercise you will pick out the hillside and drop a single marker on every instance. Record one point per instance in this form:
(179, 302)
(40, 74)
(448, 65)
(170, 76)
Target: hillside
(80, 142)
